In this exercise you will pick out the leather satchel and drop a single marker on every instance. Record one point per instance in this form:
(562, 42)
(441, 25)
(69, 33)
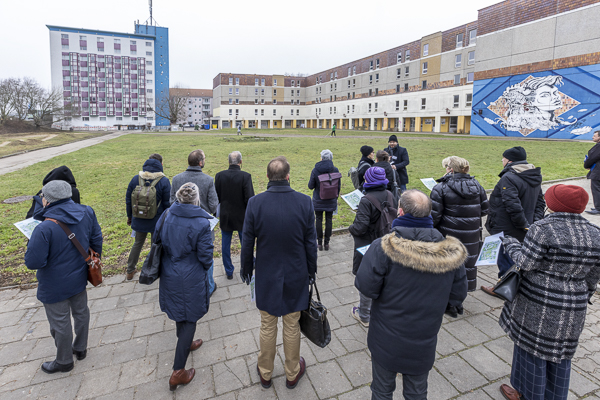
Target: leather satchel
(91, 257)
(508, 285)
(313, 321)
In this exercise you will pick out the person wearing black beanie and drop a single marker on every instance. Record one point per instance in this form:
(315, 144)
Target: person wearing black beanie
(399, 160)
(365, 163)
(515, 154)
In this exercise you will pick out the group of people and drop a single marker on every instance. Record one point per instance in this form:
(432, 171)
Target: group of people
(416, 268)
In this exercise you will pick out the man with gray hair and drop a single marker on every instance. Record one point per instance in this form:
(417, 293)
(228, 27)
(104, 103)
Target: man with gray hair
(411, 274)
(234, 188)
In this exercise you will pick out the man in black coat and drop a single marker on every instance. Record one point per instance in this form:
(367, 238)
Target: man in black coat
(411, 274)
(282, 223)
(234, 189)
(382, 159)
(516, 202)
(591, 163)
(399, 160)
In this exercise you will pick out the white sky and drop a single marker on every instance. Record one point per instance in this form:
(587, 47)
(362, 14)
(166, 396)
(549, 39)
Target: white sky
(239, 36)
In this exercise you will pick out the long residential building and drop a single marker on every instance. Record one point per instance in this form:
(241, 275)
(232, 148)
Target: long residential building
(535, 67)
(199, 104)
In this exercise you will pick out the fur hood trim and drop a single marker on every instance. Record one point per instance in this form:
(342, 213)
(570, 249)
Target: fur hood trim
(151, 175)
(431, 257)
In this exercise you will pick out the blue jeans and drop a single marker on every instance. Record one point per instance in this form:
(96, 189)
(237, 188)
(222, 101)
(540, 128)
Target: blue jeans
(414, 387)
(402, 188)
(504, 262)
(211, 280)
(226, 250)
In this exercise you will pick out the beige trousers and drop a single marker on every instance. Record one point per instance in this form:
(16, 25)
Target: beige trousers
(268, 341)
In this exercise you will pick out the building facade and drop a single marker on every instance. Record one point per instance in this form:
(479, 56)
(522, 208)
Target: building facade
(428, 85)
(110, 79)
(199, 107)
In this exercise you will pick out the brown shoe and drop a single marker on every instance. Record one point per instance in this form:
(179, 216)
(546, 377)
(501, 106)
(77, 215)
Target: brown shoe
(264, 383)
(509, 393)
(181, 377)
(489, 290)
(130, 275)
(292, 384)
(196, 345)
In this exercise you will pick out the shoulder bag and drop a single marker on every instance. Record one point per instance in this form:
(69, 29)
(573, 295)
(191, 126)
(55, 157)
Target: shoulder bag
(313, 321)
(152, 265)
(92, 258)
(508, 285)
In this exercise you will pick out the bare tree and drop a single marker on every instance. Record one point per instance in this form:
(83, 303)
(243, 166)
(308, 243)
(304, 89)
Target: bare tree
(172, 105)
(47, 107)
(6, 106)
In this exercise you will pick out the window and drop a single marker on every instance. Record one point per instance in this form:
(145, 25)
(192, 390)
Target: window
(471, 58)
(406, 71)
(230, 81)
(405, 106)
(398, 73)
(335, 75)
(334, 88)
(348, 95)
(119, 118)
(407, 55)
(459, 40)
(231, 91)
(426, 49)
(148, 80)
(148, 53)
(148, 90)
(397, 88)
(353, 94)
(148, 62)
(469, 100)
(274, 82)
(425, 67)
(262, 112)
(406, 87)
(255, 92)
(298, 92)
(457, 79)
(256, 111)
(274, 92)
(330, 110)
(470, 77)
(456, 101)
(371, 65)
(457, 60)
(230, 111)
(274, 112)
(424, 85)
(256, 82)
(292, 92)
(472, 36)
(376, 78)
(237, 111)
(376, 107)
(399, 58)
(370, 92)
(262, 101)
(377, 64)
(274, 101)
(148, 44)
(352, 108)
(331, 76)
(262, 92)
(370, 79)
(230, 101)
(237, 91)
(255, 101)
(237, 81)
(297, 112)
(64, 36)
(376, 91)
(262, 82)
(397, 105)
(354, 70)
(85, 118)
(348, 83)
(293, 82)
(237, 101)
(423, 103)
(148, 72)
(369, 107)
(353, 82)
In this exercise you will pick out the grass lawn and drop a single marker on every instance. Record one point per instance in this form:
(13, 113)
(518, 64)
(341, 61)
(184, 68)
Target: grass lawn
(103, 172)
(20, 142)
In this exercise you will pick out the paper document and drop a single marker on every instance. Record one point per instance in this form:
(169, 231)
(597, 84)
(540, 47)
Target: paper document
(213, 222)
(353, 198)
(363, 250)
(429, 183)
(27, 226)
(490, 250)
(252, 290)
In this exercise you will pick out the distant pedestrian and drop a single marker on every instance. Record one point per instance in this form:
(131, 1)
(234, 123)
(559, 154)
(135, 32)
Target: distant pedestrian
(234, 189)
(411, 274)
(62, 271)
(184, 289)
(591, 163)
(281, 222)
(239, 131)
(333, 130)
(327, 206)
(62, 173)
(399, 160)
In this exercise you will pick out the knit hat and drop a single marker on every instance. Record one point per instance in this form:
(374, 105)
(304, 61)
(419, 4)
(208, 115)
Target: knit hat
(366, 150)
(393, 138)
(188, 194)
(515, 154)
(57, 190)
(326, 154)
(566, 198)
(375, 176)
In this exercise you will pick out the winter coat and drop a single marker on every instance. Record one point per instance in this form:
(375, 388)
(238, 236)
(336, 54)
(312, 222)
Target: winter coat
(57, 174)
(363, 165)
(560, 261)
(364, 227)
(389, 174)
(234, 188)
(593, 158)
(152, 169)
(206, 188)
(322, 167)
(458, 203)
(282, 223)
(411, 274)
(399, 158)
(517, 200)
(188, 253)
(61, 269)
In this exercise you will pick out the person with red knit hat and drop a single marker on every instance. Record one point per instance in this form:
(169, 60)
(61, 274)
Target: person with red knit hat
(560, 265)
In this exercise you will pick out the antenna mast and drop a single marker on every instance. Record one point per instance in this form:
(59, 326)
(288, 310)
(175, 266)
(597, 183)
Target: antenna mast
(151, 20)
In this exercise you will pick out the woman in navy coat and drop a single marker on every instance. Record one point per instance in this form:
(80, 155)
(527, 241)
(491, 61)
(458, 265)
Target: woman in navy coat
(321, 206)
(187, 254)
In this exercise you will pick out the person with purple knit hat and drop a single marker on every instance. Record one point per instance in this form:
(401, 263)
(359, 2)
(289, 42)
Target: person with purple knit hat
(364, 229)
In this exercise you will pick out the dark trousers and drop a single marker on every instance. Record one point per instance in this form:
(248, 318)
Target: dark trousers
(134, 254)
(595, 184)
(185, 337)
(328, 225)
(59, 318)
(414, 387)
(226, 250)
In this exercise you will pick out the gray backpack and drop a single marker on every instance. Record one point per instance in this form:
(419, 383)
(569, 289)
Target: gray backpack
(143, 199)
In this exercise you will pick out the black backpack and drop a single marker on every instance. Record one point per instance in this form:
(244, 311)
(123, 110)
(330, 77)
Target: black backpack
(388, 213)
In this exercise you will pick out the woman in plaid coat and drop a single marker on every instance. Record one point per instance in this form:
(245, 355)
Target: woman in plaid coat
(560, 261)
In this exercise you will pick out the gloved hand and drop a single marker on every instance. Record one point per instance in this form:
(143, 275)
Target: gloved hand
(129, 221)
(311, 279)
(246, 278)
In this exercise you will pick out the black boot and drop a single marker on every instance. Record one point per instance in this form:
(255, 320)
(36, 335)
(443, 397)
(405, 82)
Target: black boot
(451, 311)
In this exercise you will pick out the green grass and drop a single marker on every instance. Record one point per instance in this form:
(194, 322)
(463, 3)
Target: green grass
(318, 132)
(33, 141)
(103, 172)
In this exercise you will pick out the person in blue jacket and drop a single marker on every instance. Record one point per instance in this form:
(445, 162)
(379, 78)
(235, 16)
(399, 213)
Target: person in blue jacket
(62, 270)
(184, 294)
(151, 170)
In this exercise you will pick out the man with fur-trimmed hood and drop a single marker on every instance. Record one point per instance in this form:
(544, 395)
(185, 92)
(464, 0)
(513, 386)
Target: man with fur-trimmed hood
(411, 274)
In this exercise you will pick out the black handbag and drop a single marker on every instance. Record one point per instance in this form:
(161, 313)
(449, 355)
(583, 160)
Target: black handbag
(313, 321)
(152, 265)
(508, 285)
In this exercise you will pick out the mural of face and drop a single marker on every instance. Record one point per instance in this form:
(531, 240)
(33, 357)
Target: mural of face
(547, 98)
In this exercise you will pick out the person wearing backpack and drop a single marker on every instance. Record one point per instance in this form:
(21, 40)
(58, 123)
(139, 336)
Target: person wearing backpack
(366, 162)
(369, 225)
(324, 198)
(146, 199)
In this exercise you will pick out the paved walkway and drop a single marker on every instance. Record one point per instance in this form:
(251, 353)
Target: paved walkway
(20, 161)
(131, 346)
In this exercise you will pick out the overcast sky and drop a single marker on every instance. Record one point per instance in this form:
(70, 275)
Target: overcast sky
(239, 36)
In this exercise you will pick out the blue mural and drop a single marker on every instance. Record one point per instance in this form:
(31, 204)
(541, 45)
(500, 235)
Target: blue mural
(559, 104)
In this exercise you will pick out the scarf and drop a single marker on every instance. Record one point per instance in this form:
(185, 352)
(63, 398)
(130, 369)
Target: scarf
(408, 221)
